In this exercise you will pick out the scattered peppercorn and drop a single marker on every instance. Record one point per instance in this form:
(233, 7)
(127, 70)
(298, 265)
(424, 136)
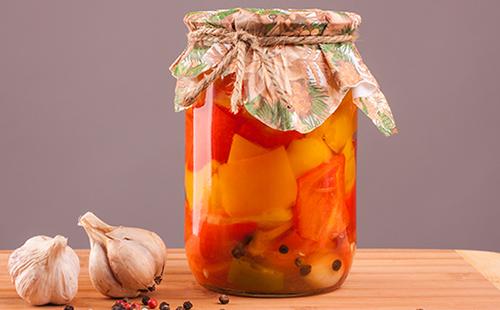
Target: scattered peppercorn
(118, 305)
(69, 307)
(336, 265)
(305, 270)
(283, 249)
(224, 299)
(298, 262)
(122, 304)
(145, 300)
(125, 304)
(164, 306)
(238, 251)
(187, 305)
(135, 306)
(152, 303)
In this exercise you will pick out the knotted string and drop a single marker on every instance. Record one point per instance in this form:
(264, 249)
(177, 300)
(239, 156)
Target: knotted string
(240, 43)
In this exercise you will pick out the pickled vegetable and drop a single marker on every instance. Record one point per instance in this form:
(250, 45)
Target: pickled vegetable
(268, 211)
(260, 184)
(262, 239)
(241, 148)
(247, 275)
(338, 129)
(307, 153)
(326, 270)
(213, 236)
(350, 166)
(211, 129)
(320, 211)
(201, 185)
(253, 130)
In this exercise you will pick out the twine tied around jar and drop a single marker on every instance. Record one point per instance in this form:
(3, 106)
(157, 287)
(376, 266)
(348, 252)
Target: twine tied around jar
(241, 42)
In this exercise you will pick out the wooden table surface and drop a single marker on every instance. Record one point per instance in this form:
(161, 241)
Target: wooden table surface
(380, 279)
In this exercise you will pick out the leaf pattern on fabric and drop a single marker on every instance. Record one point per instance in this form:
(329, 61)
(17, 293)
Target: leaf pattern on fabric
(377, 109)
(315, 78)
(319, 106)
(276, 113)
(192, 64)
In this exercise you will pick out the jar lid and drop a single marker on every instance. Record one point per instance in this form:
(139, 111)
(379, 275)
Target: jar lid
(292, 67)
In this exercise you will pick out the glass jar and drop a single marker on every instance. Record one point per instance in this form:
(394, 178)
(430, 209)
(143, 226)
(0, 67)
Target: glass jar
(270, 174)
(268, 212)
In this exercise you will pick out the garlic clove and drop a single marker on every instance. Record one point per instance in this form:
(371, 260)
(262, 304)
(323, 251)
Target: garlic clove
(150, 240)
(45, 270)
(101, 275)
(131, 264)
(124, 261)
(62, 292)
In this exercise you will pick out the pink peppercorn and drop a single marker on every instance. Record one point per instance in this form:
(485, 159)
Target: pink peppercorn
(152, 303)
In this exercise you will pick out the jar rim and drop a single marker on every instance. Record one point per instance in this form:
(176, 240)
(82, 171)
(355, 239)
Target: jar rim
(271, 22)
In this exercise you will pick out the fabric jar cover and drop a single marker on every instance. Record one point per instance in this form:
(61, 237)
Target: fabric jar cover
(314, 77)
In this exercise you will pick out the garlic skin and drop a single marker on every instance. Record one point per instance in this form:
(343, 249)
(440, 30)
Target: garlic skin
(45, 270)
(123, 261)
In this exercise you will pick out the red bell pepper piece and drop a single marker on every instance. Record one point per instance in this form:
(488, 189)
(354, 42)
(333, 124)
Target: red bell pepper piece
(254, 130)
(218, 240)
(320, 212)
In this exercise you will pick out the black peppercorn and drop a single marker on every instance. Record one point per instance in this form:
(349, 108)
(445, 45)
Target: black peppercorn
(305, 270)
(69, 307)
(145, 299)
(164, 306)
(187, 305)
(283, 249)
(117, 307)
(238, 251)
(224, 299)
(247, 240)
(336, 265)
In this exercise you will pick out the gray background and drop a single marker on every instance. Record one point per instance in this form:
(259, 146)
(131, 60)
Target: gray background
(86, 119)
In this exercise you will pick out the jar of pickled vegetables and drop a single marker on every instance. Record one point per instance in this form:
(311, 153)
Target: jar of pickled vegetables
(270, 99)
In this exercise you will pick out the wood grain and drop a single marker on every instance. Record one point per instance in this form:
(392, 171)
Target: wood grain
(380, 279)
(487, 263)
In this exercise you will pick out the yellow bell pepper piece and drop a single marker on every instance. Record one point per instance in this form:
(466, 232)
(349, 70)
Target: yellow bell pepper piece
(241, 148)
(265, 220)
(307, 153)
(263, 238)
(350, 166)
(339, 128)
(255, 186)
(201, 187)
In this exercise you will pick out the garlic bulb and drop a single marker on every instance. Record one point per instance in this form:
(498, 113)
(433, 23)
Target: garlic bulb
(45, 270)
(123, 261)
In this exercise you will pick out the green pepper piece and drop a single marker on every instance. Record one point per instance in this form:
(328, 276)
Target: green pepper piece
(247, 275)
